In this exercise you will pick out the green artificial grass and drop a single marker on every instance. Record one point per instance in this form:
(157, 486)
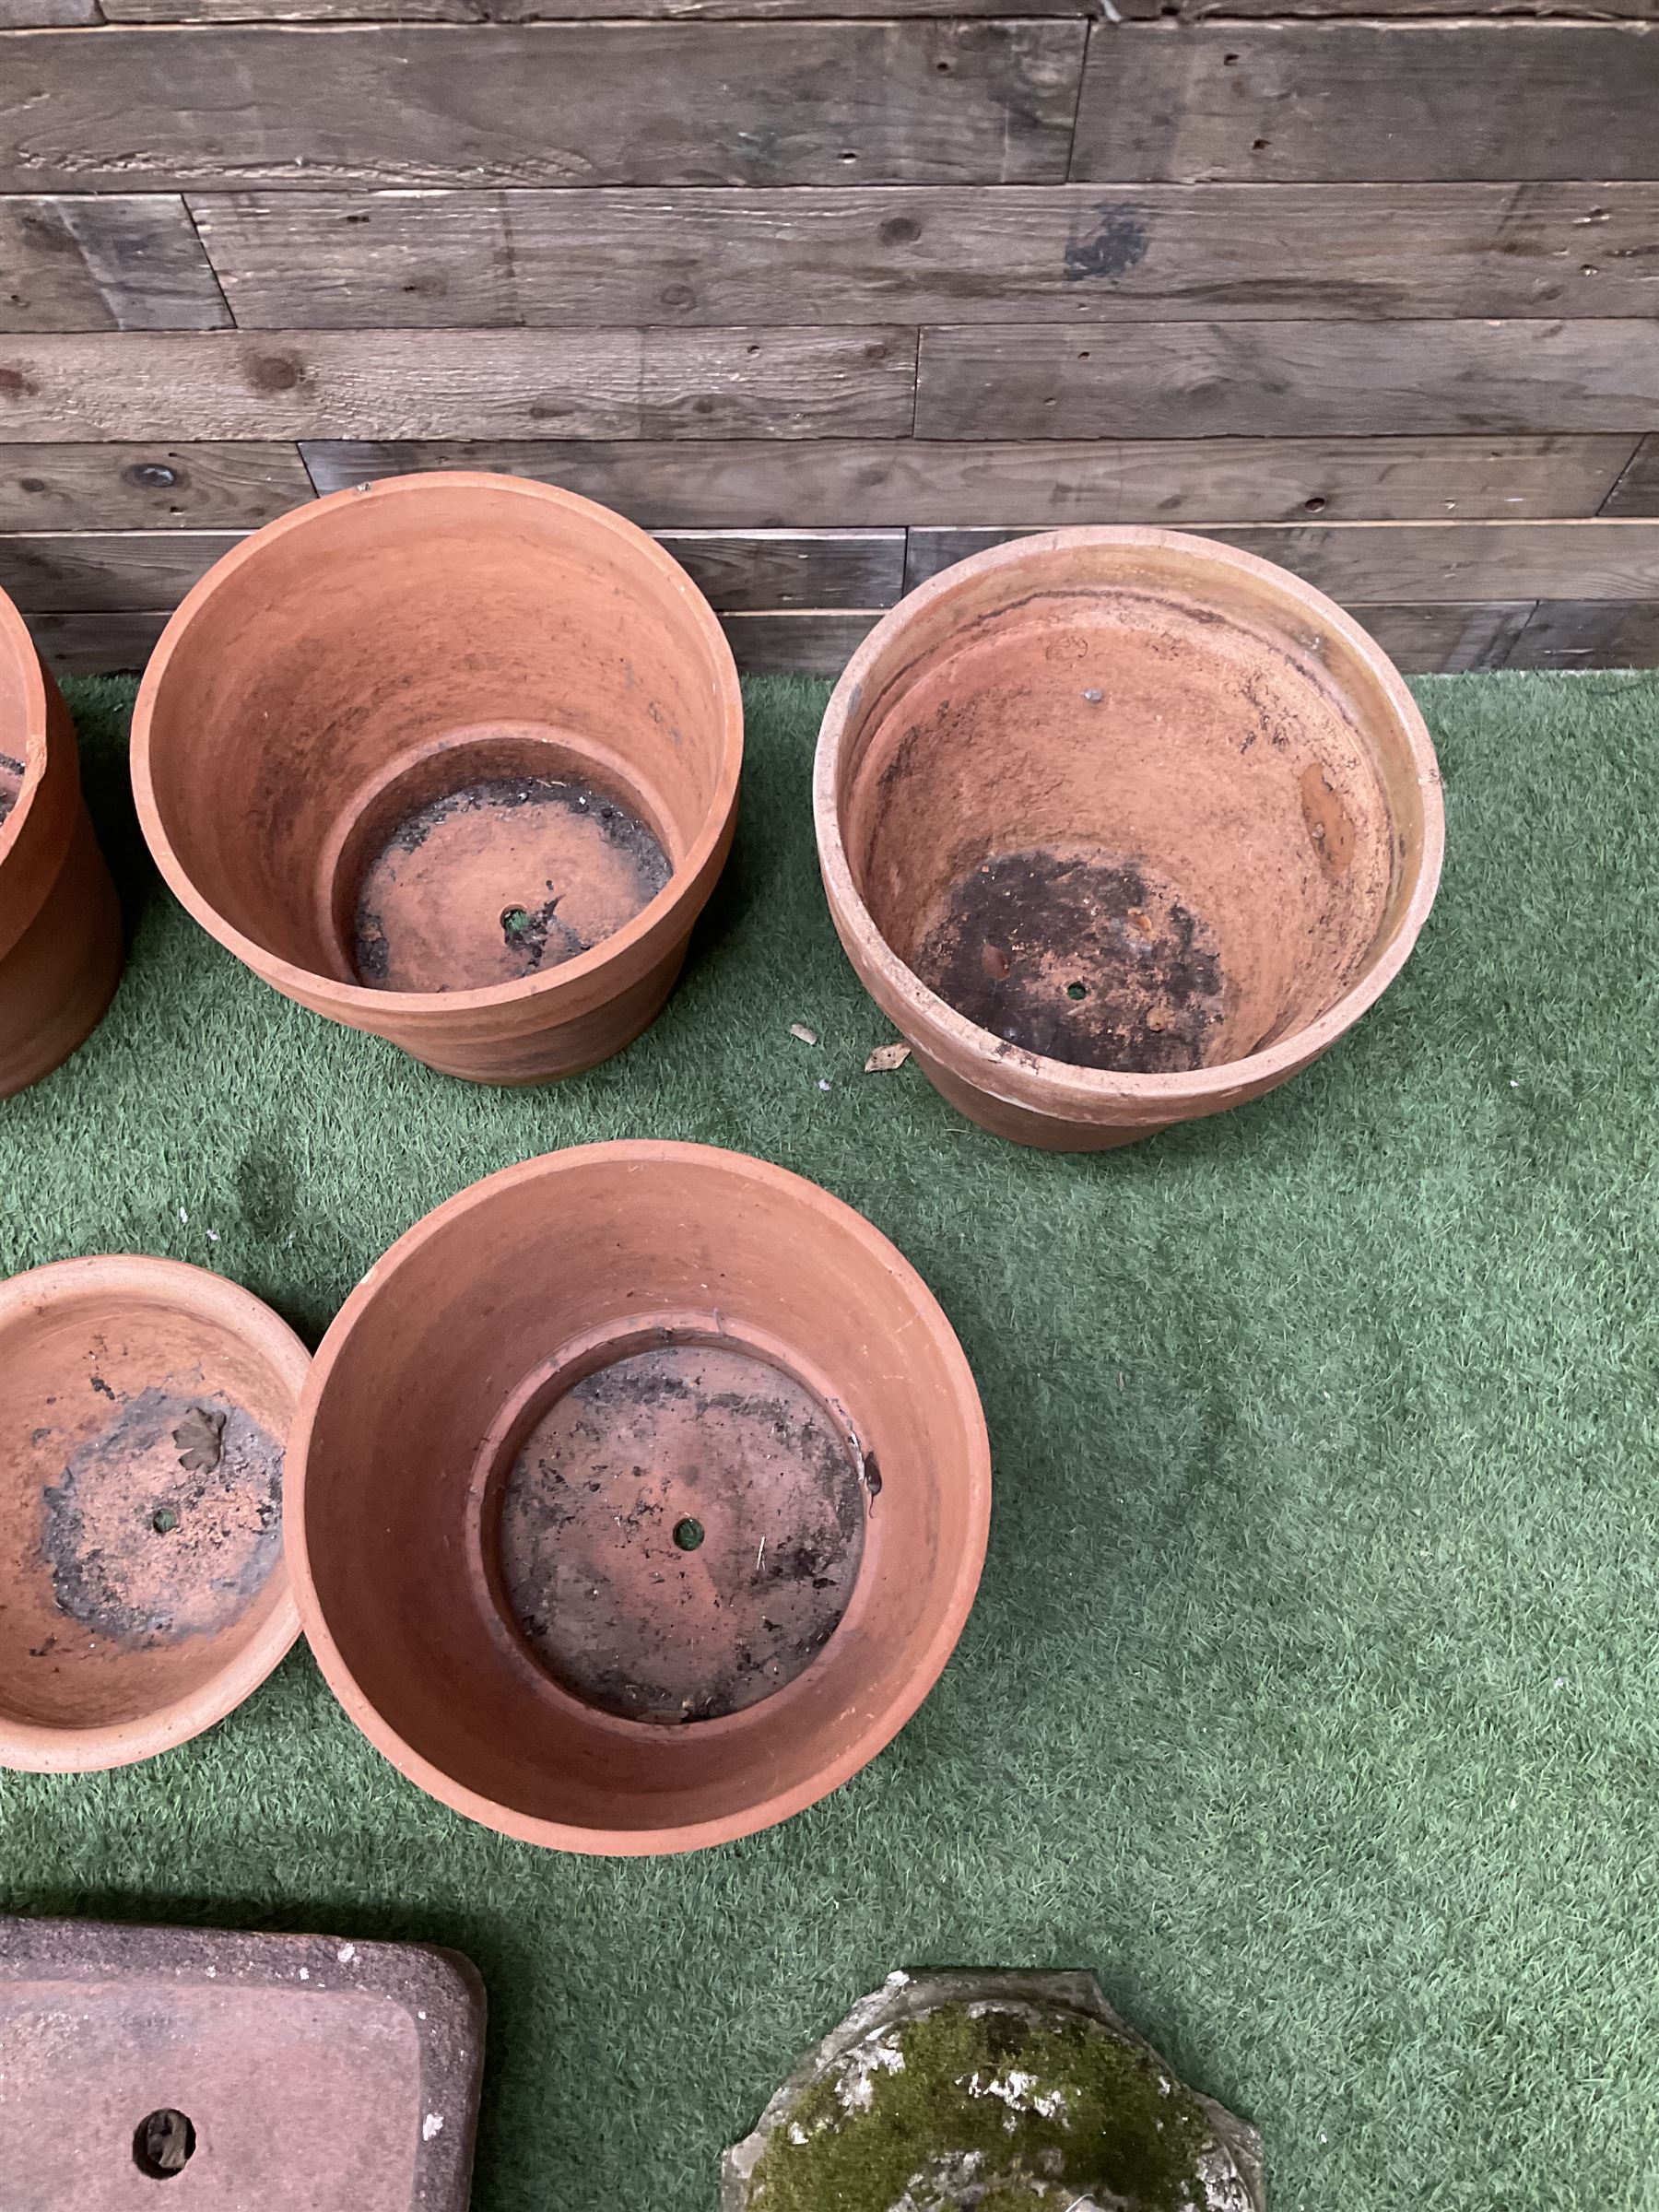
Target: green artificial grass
(1312, 1692)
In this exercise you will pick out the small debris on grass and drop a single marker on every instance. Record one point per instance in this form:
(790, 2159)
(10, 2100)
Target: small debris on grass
(823, 1085)
(200, 1437)
(884, 1058)
(799, 1030)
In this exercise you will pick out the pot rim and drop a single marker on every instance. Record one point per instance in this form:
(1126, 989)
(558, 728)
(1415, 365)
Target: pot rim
(876, 1730)
(1032, 1079)
(357, 1003)
(16, 644)
(39, 1747)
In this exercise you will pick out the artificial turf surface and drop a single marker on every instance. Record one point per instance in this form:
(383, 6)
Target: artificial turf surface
(1312, 1690)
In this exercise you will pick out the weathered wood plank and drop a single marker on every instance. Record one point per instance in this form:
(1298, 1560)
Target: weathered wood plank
(1198, 11)
(770, 383)
(559, 11)
(1448, 640)
(580, 103)
(148, 487)
(1420, 639)
(297, 260)
(775, 571)
(1219, 379)
(806, 644)
(1636, 492)
(846, 482)
(121, 261)
(771, 570)
(1372, 103)
(1407, 561)
(29, 15)
(96, 572)
(108, 643)
(1585, 633)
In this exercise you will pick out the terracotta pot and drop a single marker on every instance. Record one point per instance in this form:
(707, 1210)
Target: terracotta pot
(60, 925)
(144, 1406)
(637, 1497)
(453, 758)
(1121, 827)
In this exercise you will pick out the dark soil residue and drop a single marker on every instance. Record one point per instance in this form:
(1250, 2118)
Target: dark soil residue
(613, 870)
(681, 1534)
(168, 1523)
(1091, 961)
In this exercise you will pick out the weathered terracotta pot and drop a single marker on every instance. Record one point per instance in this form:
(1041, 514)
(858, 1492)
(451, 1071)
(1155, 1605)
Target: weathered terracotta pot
(60, 925)
(453, 758)
(1122, 827)
(144, 1408)
(637, 1497)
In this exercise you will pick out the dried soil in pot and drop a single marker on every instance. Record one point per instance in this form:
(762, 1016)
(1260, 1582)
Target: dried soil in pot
(453, 758)
(144, 1407)
(1121, 827)
(60, 926)
(619, 1524)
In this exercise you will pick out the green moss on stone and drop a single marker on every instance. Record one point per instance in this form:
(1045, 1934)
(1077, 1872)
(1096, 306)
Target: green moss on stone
(1117, 2122)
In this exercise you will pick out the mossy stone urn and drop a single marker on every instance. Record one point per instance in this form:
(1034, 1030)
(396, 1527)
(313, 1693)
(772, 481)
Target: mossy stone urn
(992, 2092)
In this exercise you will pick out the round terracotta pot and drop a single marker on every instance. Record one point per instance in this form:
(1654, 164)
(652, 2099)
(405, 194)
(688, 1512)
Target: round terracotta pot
(637, 1497)
(143, 1409)
(1122, 827)
(60, 925)
(453, 758)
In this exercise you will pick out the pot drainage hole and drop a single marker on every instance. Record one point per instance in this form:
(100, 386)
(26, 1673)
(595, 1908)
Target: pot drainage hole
(501, 880)
(164, 2143)
(1085, 959)
(682, 1533)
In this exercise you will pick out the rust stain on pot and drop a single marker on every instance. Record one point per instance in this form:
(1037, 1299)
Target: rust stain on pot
(11, 783)
(682, 1533)
(1080, 957)
(498, 880)
(168, 1522)
(1329, 823)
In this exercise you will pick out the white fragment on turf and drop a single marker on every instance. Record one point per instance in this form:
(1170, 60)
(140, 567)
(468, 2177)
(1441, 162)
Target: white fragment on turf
(823, 1084)
(801, 1034)
(346, 1953)
(432, 2125)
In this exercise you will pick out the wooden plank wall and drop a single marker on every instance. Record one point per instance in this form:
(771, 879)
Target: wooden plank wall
(830, 292)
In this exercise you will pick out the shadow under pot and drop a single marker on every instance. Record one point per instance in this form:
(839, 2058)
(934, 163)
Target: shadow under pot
(145, 1408)
(60, 924)
(1121, 827)
(453, 758)
(617, 1524)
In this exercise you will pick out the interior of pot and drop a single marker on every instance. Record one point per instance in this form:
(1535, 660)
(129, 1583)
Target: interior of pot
(141, 1459)
(444, 734)
(1128, 805)
(621, 1511)
(22, 735)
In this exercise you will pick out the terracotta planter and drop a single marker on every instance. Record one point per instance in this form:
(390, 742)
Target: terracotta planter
(453, 758)
(637, 1497)
(144, 1408)
(1120, 828)
(60, 926)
